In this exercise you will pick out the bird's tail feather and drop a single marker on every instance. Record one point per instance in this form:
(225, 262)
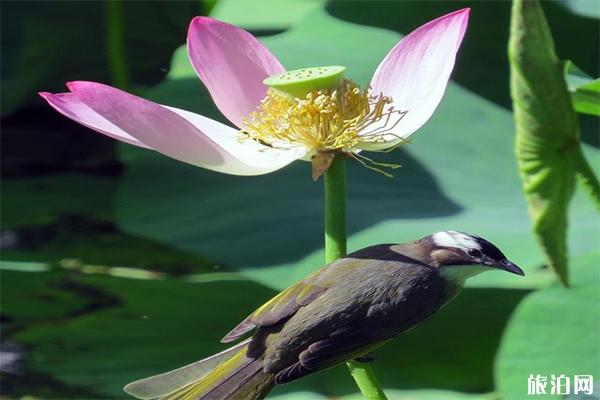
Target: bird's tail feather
(239, 378)
(227, 375)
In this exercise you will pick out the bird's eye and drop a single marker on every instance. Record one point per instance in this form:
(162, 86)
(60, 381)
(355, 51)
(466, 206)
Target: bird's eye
(474, 253)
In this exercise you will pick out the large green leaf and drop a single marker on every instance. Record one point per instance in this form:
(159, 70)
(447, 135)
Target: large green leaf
(66, 219)
(459, 173)
(587, 8)
(149, 327)
(264, 15)
(43, 200)
(33, 296)
(553, 331)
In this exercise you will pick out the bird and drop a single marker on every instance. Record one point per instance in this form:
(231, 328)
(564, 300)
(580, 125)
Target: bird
(341, 312)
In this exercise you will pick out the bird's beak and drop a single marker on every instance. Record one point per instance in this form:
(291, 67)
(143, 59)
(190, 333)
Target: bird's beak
(508, 267)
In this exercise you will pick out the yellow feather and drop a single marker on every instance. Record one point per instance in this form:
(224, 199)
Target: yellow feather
(196, 389)
(285, 296)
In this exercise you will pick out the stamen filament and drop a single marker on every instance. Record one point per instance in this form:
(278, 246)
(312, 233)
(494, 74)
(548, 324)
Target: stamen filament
(325, 120)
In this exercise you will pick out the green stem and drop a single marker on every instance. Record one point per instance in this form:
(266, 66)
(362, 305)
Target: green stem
(335, 210)
(365, 379)
(335, 247)
(115, 44)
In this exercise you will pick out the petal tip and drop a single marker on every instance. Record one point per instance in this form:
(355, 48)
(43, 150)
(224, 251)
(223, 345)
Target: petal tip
(197, 25)
(463, 12)
(427, 54)
(201, 24)
(230, 60)
(201, 21)
(73, 85)
(45, 95)
(462, 15)
(459, 18)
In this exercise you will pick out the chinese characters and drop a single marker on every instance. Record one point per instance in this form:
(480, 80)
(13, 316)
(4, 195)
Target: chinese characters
(560, 384)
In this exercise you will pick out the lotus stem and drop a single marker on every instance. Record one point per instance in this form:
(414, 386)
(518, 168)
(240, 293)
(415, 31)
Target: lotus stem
(335, 247)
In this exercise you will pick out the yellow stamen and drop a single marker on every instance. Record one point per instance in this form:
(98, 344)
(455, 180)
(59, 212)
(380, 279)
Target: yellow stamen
(327, 120)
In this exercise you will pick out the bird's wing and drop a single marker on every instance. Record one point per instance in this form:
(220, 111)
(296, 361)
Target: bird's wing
(291, 299)
(340, 345)
(386, 306)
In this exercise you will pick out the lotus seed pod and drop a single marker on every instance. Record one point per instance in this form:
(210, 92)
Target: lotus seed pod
(299, 82)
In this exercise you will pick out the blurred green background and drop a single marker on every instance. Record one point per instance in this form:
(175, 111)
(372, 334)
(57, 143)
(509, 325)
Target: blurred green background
(119, 263)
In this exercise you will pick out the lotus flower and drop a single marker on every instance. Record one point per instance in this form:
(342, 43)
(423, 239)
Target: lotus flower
(318, 114)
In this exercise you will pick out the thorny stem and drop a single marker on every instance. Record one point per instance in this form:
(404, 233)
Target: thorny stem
(335, 247)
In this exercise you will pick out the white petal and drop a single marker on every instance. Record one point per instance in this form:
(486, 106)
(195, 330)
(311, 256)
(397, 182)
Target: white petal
(416, 71)
(248, 152)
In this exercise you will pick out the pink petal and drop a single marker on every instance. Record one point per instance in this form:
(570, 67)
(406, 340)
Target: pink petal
(232, 64)
(71, 107)
(415, 72)
(179, 134)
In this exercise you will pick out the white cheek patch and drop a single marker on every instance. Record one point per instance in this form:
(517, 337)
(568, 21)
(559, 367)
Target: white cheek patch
(460, 273)
(455, 239)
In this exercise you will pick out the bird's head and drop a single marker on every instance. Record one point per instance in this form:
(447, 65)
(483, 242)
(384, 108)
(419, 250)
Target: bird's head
(459, 256)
